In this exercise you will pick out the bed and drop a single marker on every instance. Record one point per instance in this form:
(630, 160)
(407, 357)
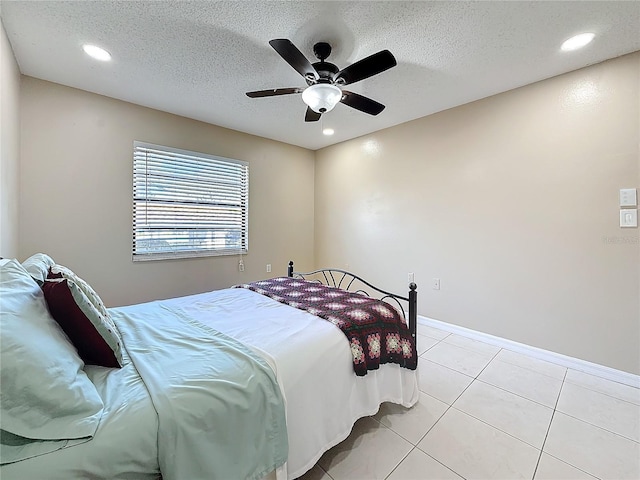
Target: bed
(275, 386)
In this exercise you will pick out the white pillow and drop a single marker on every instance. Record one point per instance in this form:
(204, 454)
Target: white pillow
(59, 271)
(38, 266)
(45, 393)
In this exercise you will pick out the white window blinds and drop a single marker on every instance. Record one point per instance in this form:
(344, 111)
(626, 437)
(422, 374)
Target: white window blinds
(188, 204)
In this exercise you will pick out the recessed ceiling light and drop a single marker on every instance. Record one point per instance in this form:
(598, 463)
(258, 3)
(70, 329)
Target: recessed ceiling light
(97, 52)
(328, 131)
(578, 41)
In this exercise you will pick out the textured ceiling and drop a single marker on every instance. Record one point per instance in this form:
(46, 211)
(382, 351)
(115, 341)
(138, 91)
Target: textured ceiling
(197, 59)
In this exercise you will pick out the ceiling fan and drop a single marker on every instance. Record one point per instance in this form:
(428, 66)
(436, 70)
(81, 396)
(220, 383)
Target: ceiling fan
(325, 80)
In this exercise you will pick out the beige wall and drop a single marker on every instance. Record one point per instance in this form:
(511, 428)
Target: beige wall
(76, 194)
(512, 201)
(9, 147)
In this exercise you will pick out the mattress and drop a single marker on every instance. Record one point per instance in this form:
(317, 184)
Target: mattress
(313, 364)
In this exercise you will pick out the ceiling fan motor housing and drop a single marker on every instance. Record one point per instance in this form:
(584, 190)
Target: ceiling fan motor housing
(326, 72)
(322, 50)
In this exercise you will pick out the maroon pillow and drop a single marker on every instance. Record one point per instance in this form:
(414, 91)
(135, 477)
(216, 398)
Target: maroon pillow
(79, 326)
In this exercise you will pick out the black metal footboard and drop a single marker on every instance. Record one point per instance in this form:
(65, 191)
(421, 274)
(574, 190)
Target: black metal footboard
(335, 277)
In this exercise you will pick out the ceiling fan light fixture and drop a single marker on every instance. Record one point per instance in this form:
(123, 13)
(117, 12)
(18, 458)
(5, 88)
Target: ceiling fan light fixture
(321, 97)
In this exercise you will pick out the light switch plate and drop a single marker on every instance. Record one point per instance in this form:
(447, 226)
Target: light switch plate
(629, 217)
(628, 197)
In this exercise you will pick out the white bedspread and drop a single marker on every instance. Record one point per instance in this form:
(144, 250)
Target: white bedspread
(314, 366)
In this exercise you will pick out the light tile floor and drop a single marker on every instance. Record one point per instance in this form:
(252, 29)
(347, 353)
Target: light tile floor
(490, 413)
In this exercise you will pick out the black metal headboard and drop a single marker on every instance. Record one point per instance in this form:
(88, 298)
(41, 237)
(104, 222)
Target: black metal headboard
(335, 277)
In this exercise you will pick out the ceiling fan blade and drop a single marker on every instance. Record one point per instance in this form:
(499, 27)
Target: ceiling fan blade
(294, 57)
(365, 68)
(274, 92)
(361, 103)
(311, 116)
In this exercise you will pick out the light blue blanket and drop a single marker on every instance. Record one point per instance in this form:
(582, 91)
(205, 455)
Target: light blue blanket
(220, 410)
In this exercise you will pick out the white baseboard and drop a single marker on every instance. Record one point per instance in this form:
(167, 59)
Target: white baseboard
(608, 373)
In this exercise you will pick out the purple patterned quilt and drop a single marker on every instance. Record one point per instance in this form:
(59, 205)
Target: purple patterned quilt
(375, 330)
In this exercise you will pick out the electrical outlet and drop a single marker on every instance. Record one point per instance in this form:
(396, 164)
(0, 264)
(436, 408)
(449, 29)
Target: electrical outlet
(268, 268)
(435, 283)
(412, 278)
(240, 266)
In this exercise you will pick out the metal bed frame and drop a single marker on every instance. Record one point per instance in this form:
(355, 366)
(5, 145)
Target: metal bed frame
(335, 277)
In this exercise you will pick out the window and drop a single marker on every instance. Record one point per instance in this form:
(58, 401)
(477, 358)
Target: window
(188, 204)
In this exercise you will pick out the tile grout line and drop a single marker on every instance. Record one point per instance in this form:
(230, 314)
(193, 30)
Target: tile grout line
(479, 351)
(533, 369)
(449, 407)
(599, 427)
(588, 423)
(320, 467)
(325, 472)
(470, 350)
(485, 367)
(602, 393)
(495, 428)
(435, 423)
(528, 370)
(577, 468)
(486, 423)
(553, 414)
(437, 343)
(514, 393)
(413, 447)
(554, 409)
(593, 424)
